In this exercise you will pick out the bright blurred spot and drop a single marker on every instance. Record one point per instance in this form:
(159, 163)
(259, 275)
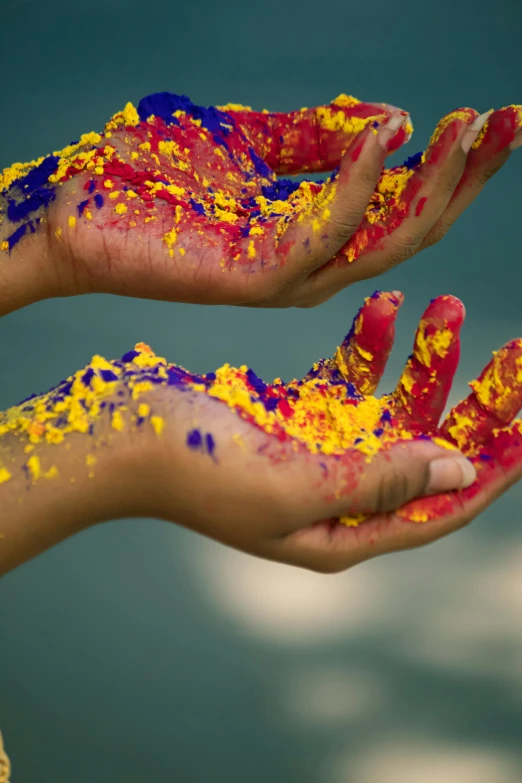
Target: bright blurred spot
(408, 761)
(319, 695)
(287, 605)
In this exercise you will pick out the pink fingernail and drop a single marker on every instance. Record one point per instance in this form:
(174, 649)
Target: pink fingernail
(447, 473)
(388, 131)
(473, 131)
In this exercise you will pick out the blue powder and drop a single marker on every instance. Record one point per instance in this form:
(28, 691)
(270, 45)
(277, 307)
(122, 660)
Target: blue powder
(87, 377)
(194, 439)
(259, 164)
(129, 356)
(98, 200)
(39, 175)
(92, 185)
(108, 375)
(164, 104)
(280, 190)
(255, 381)
(16, 237)
(176, 376)
(413, 160)
(378, 432)
(386, 417)
(39, 198)
(199, 208)
(82, 205)
(210, 443)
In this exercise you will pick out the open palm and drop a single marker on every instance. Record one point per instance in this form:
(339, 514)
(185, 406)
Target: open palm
(278, 468)
(175, 201)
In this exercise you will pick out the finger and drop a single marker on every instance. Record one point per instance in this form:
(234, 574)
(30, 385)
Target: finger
(498, 467)
(407, 201)
(424, 386)
(326, 217)
(362, 356)
(494, 402)
(312, 139)
(387, 483)
(329, 546)
(501, 134)
(423, 520)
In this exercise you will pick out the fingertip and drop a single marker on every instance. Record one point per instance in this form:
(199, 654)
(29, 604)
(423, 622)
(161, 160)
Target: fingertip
(377, 317)
(446, 309)
(450, 473)
(384, 302)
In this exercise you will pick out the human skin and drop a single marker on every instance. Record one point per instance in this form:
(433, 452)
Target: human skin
(278, 470)
(176, 202)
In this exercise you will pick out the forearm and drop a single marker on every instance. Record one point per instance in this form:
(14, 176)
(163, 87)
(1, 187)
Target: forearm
(72, 457)
(27, 271)
(54, 492)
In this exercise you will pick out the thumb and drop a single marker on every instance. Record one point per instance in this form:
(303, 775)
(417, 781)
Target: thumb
(406, 471)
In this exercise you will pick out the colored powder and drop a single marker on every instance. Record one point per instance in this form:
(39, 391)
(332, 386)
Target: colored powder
(194, 439)
(324, 416)
(413, 161)
(81, 206)
(173, 163)
(16, 237)
(210, 444)
(41, 197)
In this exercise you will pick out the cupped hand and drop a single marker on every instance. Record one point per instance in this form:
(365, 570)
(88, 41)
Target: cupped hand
(320, 473)
(178, 202)
(317, 472)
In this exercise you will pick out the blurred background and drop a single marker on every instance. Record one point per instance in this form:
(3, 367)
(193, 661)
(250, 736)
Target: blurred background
(140, 653)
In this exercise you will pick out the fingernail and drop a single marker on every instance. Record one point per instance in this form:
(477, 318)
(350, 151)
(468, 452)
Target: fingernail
(516, 143)
(473, 131)
(388, 131)
(449, 473)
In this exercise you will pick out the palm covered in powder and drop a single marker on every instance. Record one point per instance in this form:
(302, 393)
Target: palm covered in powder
(174, 201)
(324, 448)
(273, 468)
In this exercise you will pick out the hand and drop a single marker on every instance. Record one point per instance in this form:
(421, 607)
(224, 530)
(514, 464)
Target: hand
(269, 468)
(278, 481)
(178, 202)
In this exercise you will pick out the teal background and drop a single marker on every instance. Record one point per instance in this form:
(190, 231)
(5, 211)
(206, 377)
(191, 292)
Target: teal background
(139, 653)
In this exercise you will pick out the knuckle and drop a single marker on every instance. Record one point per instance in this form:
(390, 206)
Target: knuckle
(446, 187)
(435, 235)
(367, 178)
(484, 178)
(394, 488)
(341, 229)
(398, 252)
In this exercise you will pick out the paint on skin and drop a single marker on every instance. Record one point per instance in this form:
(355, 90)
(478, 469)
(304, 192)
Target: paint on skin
(208, 174)
(324, 412)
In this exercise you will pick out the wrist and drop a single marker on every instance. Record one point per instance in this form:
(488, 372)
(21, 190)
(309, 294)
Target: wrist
(26, 272)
